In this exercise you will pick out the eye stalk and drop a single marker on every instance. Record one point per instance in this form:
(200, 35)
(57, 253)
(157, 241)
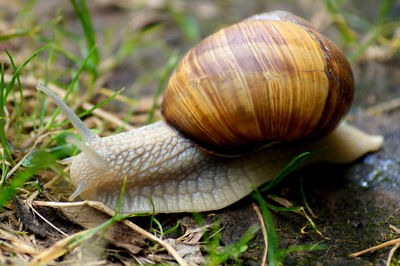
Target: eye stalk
(96, 160)
(84, 132)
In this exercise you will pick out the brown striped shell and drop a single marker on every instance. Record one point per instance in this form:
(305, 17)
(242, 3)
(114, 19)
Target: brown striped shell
(269, 78)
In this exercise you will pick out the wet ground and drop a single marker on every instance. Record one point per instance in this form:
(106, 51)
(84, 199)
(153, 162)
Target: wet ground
(355, 204)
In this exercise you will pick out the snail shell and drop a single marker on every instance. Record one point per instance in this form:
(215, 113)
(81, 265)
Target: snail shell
(259, 81)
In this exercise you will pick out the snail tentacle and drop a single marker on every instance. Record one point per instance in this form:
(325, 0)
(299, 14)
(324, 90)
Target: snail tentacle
(83, 131)
(95, 158)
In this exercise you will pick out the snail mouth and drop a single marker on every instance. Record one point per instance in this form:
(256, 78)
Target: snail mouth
(68, 160)
(87, 169)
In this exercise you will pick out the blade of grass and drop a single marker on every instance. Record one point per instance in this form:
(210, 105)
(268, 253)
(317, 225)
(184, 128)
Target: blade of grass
(99, 105)
(290, 167)
(26, 19)
(233, 250)
(24, 32)
(273, 253)
(71, 86)
(375, 30)
(187, 24)
(16, 72)
(172, 229)
(4, 168)
(303, 196)
(301, 248)
(129, 44)
(7, 191)
(284, 209)
(37, 162)
(88, 112)
(6, 147)
(16, 33)
(19, 106)
(84, 17)
(313, 225)
(337, 16)
(171, 63)
(212, 239)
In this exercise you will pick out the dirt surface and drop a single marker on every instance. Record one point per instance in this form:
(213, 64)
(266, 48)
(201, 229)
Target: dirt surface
(355, 203)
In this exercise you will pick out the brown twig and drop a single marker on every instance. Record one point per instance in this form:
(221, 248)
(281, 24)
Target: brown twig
(377, 110)
(391, 253)
(383, 245)
(101, 207)
(264, 232)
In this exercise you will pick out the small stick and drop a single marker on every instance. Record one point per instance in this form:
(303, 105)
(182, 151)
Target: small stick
(385, 244)
(264, 232)
(101, 207)
(391, 253)
(378, 109)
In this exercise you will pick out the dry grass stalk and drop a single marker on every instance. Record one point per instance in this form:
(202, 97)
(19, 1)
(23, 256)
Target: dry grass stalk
(264, 232)
(383, 245)
(99, 206)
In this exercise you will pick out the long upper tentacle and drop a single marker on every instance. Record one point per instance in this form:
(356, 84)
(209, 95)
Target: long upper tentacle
(85, 132)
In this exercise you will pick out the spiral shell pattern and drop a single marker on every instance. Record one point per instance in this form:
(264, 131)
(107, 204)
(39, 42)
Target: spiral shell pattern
(258, 82)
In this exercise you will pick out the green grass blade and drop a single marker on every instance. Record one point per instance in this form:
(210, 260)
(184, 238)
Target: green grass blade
(19, 106)
(235, 249)
(172, 229)
(31, 31)
(71, 86)
(36, 161)
(290, 167)
(4, 167)
(284, 209)
(338, 18)
(87, 112)
(384, 8)
(273, 253)
(188, 25)
(16, 73)
(301, 248)
(120, 197)
(17, 33)
(7, 191)
(375, 30)
(84, 16)
(304, 198)
(99, 105)
(6, 148)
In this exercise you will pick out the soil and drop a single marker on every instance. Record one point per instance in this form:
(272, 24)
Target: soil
(355, 203)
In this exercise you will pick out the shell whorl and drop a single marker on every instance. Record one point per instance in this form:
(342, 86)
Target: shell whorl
(256, 82)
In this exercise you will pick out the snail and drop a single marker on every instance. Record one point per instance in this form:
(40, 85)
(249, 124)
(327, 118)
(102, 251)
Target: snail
(238, 107)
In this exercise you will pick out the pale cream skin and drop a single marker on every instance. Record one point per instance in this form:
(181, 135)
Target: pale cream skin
(160, 164)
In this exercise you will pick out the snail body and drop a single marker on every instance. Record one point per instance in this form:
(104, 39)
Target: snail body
(265, 99)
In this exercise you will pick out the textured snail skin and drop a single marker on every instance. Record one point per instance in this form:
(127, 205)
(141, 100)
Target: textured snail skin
(161, 165)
